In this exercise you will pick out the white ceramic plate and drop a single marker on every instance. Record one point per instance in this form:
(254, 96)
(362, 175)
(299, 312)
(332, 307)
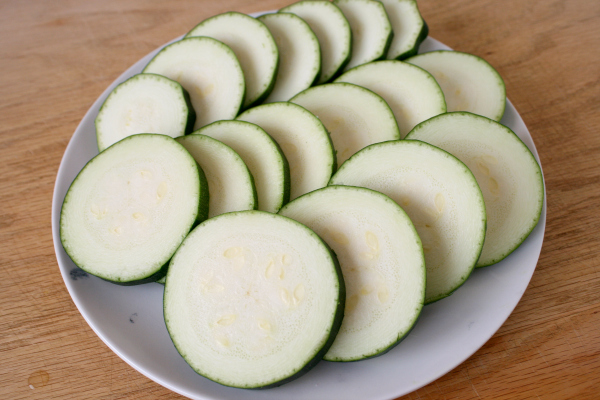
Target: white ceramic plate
(130, 321)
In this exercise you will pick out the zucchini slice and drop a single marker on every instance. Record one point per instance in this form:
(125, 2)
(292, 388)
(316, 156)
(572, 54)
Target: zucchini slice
(411, 92)
(333, 31)
(130, 207)
(354, 116)
(209, 71)
(441, 197)
(409, 28)
(382, 261)
(508, 175)
(144, 103)
(304, 141)
(371, 30)
(230, 184)
(253, 299)
(469, 82)
(253, 45)
(299, 55)
(262, 156)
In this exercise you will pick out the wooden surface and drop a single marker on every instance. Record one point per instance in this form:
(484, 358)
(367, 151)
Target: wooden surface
(56, 58)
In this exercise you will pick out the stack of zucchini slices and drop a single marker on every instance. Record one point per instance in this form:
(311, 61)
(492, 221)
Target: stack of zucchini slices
(335, 183)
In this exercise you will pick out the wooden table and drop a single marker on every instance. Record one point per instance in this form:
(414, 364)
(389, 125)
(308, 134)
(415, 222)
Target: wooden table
(56, 58)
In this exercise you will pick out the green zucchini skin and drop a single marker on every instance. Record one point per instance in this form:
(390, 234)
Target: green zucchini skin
(160, 274)
(189, 126)
(204, 198)
(415, 50)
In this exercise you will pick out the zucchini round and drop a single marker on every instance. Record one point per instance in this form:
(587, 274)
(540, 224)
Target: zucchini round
(411, 92)
(441, 197)
(333, 31)
(209, 71)
(371, 30)
(409, 28)
(354, 116)
(253, 299)
(253, 45)
(144, 103)
(230, 183)
(299, 55)
(508, 175)
(303, 140)
(469, 83)
(382, 261)
(262, 156)
(130, 208)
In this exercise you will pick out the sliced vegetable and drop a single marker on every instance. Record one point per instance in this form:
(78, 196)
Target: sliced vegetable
(411, 92)
(304, 141)
(262, 156)
(299, 55)
(253, 45)
(409, 28)
(333, 31)
(130, 208)
(371, 30)
(441, 197)
(382, 261)
(508, 175)
(230, 184)
(354, 116)
(469, 83)
(144, 103)
(253, 299)
(209, 71)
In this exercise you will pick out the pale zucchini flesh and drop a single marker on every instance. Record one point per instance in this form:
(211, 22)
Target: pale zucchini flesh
(299, 55)
(469, 82)
(411, 92)
(333, 31)
(253, 45)
(144, 103)
(354, 116)
(441, 197)
(262, 156)
(381, 257)
(230, 184)
(409, 28)
(303, 140)
(253, 299)
(371, 30)
(508, 175)
(130, 208)
(209, 71)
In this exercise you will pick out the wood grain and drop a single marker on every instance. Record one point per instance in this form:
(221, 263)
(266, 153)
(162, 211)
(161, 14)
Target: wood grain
(57, 57)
